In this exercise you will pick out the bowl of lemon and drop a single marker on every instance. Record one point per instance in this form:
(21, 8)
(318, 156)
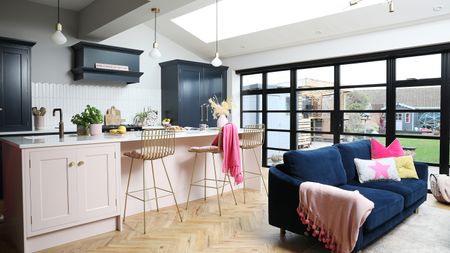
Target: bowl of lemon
(119, 130)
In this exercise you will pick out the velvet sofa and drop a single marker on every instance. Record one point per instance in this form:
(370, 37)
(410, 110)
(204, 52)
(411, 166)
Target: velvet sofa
(394, 201)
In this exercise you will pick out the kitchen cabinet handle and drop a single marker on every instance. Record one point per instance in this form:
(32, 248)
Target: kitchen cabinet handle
(201, 113)
(206, 106)
(71, 164)
(1, 109)
(80, 163)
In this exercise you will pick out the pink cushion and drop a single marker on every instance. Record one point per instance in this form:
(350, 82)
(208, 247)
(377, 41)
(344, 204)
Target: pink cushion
(378, 150)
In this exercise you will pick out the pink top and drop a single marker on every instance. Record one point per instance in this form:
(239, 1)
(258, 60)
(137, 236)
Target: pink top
(333, 214)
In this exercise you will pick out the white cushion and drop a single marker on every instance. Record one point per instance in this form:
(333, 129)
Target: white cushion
(375, 170)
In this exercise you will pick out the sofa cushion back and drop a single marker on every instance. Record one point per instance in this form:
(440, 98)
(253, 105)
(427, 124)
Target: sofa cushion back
(323, 165)
(350, 151)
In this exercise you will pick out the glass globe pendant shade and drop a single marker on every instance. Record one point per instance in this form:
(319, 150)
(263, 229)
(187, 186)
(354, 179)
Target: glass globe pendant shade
(155, 53)
(216, 62)
(58, 37)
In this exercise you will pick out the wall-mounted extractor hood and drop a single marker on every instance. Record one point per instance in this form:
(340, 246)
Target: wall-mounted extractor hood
(106, 63)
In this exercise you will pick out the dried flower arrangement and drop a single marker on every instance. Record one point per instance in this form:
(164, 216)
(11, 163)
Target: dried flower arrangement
(220, 108)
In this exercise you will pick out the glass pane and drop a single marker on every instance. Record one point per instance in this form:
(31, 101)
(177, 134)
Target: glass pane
(425, 150)
(252, 82)
(367, 123)
(418, 67)
(279, 79)
(363, 73)
(363, 99)
(315, 100)
(313, 140)
(422, 97)
(279, 101)
(278, 139)
(252, 103)
(314, 121)
(352, 138)
(274, 157)
(279, 120)
(418, 123)
(249, 118)
(315, 77)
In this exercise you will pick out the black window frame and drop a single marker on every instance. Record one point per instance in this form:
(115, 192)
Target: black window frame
(391, 85)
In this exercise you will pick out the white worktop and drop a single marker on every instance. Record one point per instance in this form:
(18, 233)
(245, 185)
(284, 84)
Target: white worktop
(25, 142)
(39, 132)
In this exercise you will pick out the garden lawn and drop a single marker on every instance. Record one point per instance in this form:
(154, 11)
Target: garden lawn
(426, 150)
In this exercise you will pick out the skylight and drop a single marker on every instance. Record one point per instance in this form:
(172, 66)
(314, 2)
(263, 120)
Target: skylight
(239, 17)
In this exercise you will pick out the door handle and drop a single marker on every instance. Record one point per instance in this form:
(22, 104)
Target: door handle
(1, 109)
(201, 113)
(80, 163)
(71, 164)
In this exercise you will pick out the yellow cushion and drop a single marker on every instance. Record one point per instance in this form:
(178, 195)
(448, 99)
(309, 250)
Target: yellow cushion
(405, 167)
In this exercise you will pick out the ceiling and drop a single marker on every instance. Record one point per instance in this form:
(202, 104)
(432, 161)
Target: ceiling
(353, 22)
(74, 5)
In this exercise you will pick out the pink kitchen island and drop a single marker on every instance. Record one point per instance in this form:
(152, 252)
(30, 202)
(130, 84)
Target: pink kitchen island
(61, 190)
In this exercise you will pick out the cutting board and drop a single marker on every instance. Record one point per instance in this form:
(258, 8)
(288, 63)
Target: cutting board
(113, 116)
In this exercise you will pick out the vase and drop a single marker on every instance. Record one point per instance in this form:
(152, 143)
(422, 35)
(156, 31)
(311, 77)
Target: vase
(222, 121)
(95, 129)
(39, 122)
(82, 130)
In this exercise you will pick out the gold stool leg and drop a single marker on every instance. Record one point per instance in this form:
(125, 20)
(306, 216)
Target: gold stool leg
(171, 189)
(217, 186)
(154, 186)
(224, 180)
(143, 192)
(260, 171)
(128, 187)
(204, 198)
(232, 191)
(243, 173)
(192, 178)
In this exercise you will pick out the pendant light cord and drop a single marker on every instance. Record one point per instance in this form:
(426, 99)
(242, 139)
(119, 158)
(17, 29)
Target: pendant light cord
(217, 26)
(58, 11)
(155, 24)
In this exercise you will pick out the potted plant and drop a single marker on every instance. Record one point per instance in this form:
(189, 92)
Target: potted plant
(220, 110)
(148, 117)
(81, 123)
(95, 119)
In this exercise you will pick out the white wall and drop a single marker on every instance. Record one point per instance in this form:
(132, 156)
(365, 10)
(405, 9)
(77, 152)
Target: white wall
(411, 36)
(131, 98)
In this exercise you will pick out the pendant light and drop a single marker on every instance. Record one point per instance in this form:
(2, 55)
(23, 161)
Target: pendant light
(58, 37)
(216, 62)
(155, 53)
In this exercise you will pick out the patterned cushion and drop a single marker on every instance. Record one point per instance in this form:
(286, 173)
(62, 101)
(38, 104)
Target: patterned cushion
(379, 169)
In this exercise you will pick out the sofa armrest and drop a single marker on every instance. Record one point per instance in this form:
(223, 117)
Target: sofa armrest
(422, 170)
(283, 201)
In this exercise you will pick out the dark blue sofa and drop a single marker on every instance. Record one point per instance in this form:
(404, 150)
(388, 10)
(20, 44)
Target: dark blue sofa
(394, 201)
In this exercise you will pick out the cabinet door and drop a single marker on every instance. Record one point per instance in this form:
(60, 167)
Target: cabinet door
(15, 99)
(213, 84)
(97, 181)
(190, 78)
(53, 189)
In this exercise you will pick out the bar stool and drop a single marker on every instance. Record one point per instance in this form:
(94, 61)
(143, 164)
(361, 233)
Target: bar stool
(252, 138)
(213, 150)
(155, 144)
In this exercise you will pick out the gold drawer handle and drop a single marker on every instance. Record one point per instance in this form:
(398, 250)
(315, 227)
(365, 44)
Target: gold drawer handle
(71, 164)
(80, 163)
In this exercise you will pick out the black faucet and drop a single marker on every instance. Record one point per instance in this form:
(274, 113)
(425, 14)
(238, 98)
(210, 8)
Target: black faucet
(61, 123)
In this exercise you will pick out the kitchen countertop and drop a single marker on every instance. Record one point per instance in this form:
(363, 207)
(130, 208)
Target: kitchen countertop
(41, 141)
(38, 132)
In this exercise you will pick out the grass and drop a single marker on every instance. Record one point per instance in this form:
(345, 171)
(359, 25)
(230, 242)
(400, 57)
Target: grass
(426, 150)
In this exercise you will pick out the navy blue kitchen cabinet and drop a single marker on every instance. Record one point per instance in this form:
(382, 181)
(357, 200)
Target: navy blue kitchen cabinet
(186, 86)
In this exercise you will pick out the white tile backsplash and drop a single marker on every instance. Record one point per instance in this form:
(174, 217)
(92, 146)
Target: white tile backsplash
(73, 98)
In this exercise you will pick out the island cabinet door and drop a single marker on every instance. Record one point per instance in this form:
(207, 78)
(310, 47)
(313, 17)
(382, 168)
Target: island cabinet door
(97, 184)
(53, 188)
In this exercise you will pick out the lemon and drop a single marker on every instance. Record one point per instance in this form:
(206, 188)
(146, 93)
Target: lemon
(113, 131)
(122, 128)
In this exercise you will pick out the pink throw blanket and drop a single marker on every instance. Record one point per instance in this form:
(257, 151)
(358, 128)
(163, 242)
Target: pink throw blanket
(231, 156)
(333, 214)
